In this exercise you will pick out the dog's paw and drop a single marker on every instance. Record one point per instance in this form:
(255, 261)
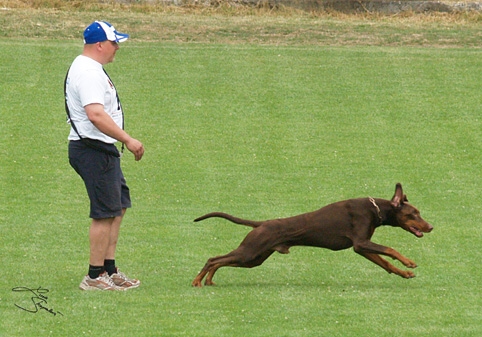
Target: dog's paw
(410, 264)
(407, 274)
(196, 283)
(407, 262)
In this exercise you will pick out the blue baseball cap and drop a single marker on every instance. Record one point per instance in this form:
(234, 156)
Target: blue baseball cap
(100, 31)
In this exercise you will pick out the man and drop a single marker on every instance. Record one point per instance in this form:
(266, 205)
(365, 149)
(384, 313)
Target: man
(97, 119)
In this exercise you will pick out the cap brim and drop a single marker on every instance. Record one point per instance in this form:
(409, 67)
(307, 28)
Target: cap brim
(121, 37)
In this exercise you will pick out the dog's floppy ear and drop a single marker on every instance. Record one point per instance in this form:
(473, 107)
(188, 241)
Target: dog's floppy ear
(398, 197)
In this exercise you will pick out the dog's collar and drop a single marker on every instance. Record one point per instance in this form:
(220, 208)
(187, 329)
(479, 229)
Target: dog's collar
(378, 208)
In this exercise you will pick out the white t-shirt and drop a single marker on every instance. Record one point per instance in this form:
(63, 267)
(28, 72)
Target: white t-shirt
(87, 83)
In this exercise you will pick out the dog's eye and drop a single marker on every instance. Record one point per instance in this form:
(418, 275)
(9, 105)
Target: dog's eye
(412, 216)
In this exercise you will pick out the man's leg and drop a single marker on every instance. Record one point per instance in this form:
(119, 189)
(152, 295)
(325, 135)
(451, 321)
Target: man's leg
(119, 278)
(100, 236)
(114, 236)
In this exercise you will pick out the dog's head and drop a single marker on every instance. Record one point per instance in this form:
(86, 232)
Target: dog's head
(407, 216)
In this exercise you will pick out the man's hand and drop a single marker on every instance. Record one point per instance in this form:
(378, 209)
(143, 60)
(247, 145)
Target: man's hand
(135, 147)
(103, 122)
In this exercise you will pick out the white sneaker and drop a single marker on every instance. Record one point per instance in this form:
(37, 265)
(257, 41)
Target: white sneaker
(121, 280)
(103, 282)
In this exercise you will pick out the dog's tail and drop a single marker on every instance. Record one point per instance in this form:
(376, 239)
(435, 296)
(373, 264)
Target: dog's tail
(231, 218)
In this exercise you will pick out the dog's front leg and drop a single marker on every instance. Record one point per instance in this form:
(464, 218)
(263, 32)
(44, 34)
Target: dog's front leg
(396, 255)
(369, 247)
(375, 258)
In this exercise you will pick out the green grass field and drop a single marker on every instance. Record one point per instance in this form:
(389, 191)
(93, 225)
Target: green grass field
(258, 131)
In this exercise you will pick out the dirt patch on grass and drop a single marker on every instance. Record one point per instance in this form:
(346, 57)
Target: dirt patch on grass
(344, 6)
(228, 24)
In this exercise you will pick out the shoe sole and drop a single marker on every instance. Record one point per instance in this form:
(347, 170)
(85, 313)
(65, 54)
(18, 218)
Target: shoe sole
(130, 287)
(86, 287)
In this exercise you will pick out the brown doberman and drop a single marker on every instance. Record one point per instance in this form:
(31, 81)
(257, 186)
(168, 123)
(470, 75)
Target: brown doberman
(337, 226)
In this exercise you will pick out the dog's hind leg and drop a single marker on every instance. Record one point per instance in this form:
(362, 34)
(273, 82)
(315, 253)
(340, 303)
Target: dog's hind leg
(216, 263)
(213, 264)
(210, 264)
(233, 259)
(256, 247)
(197, 282)
(258, 260)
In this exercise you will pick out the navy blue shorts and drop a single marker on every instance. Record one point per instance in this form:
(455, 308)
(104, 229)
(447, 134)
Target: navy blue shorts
(103, 179)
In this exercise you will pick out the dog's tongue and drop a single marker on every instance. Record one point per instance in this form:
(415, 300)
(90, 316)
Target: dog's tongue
(416, 232)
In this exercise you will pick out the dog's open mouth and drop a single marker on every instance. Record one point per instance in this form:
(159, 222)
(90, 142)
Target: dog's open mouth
(416, 231)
